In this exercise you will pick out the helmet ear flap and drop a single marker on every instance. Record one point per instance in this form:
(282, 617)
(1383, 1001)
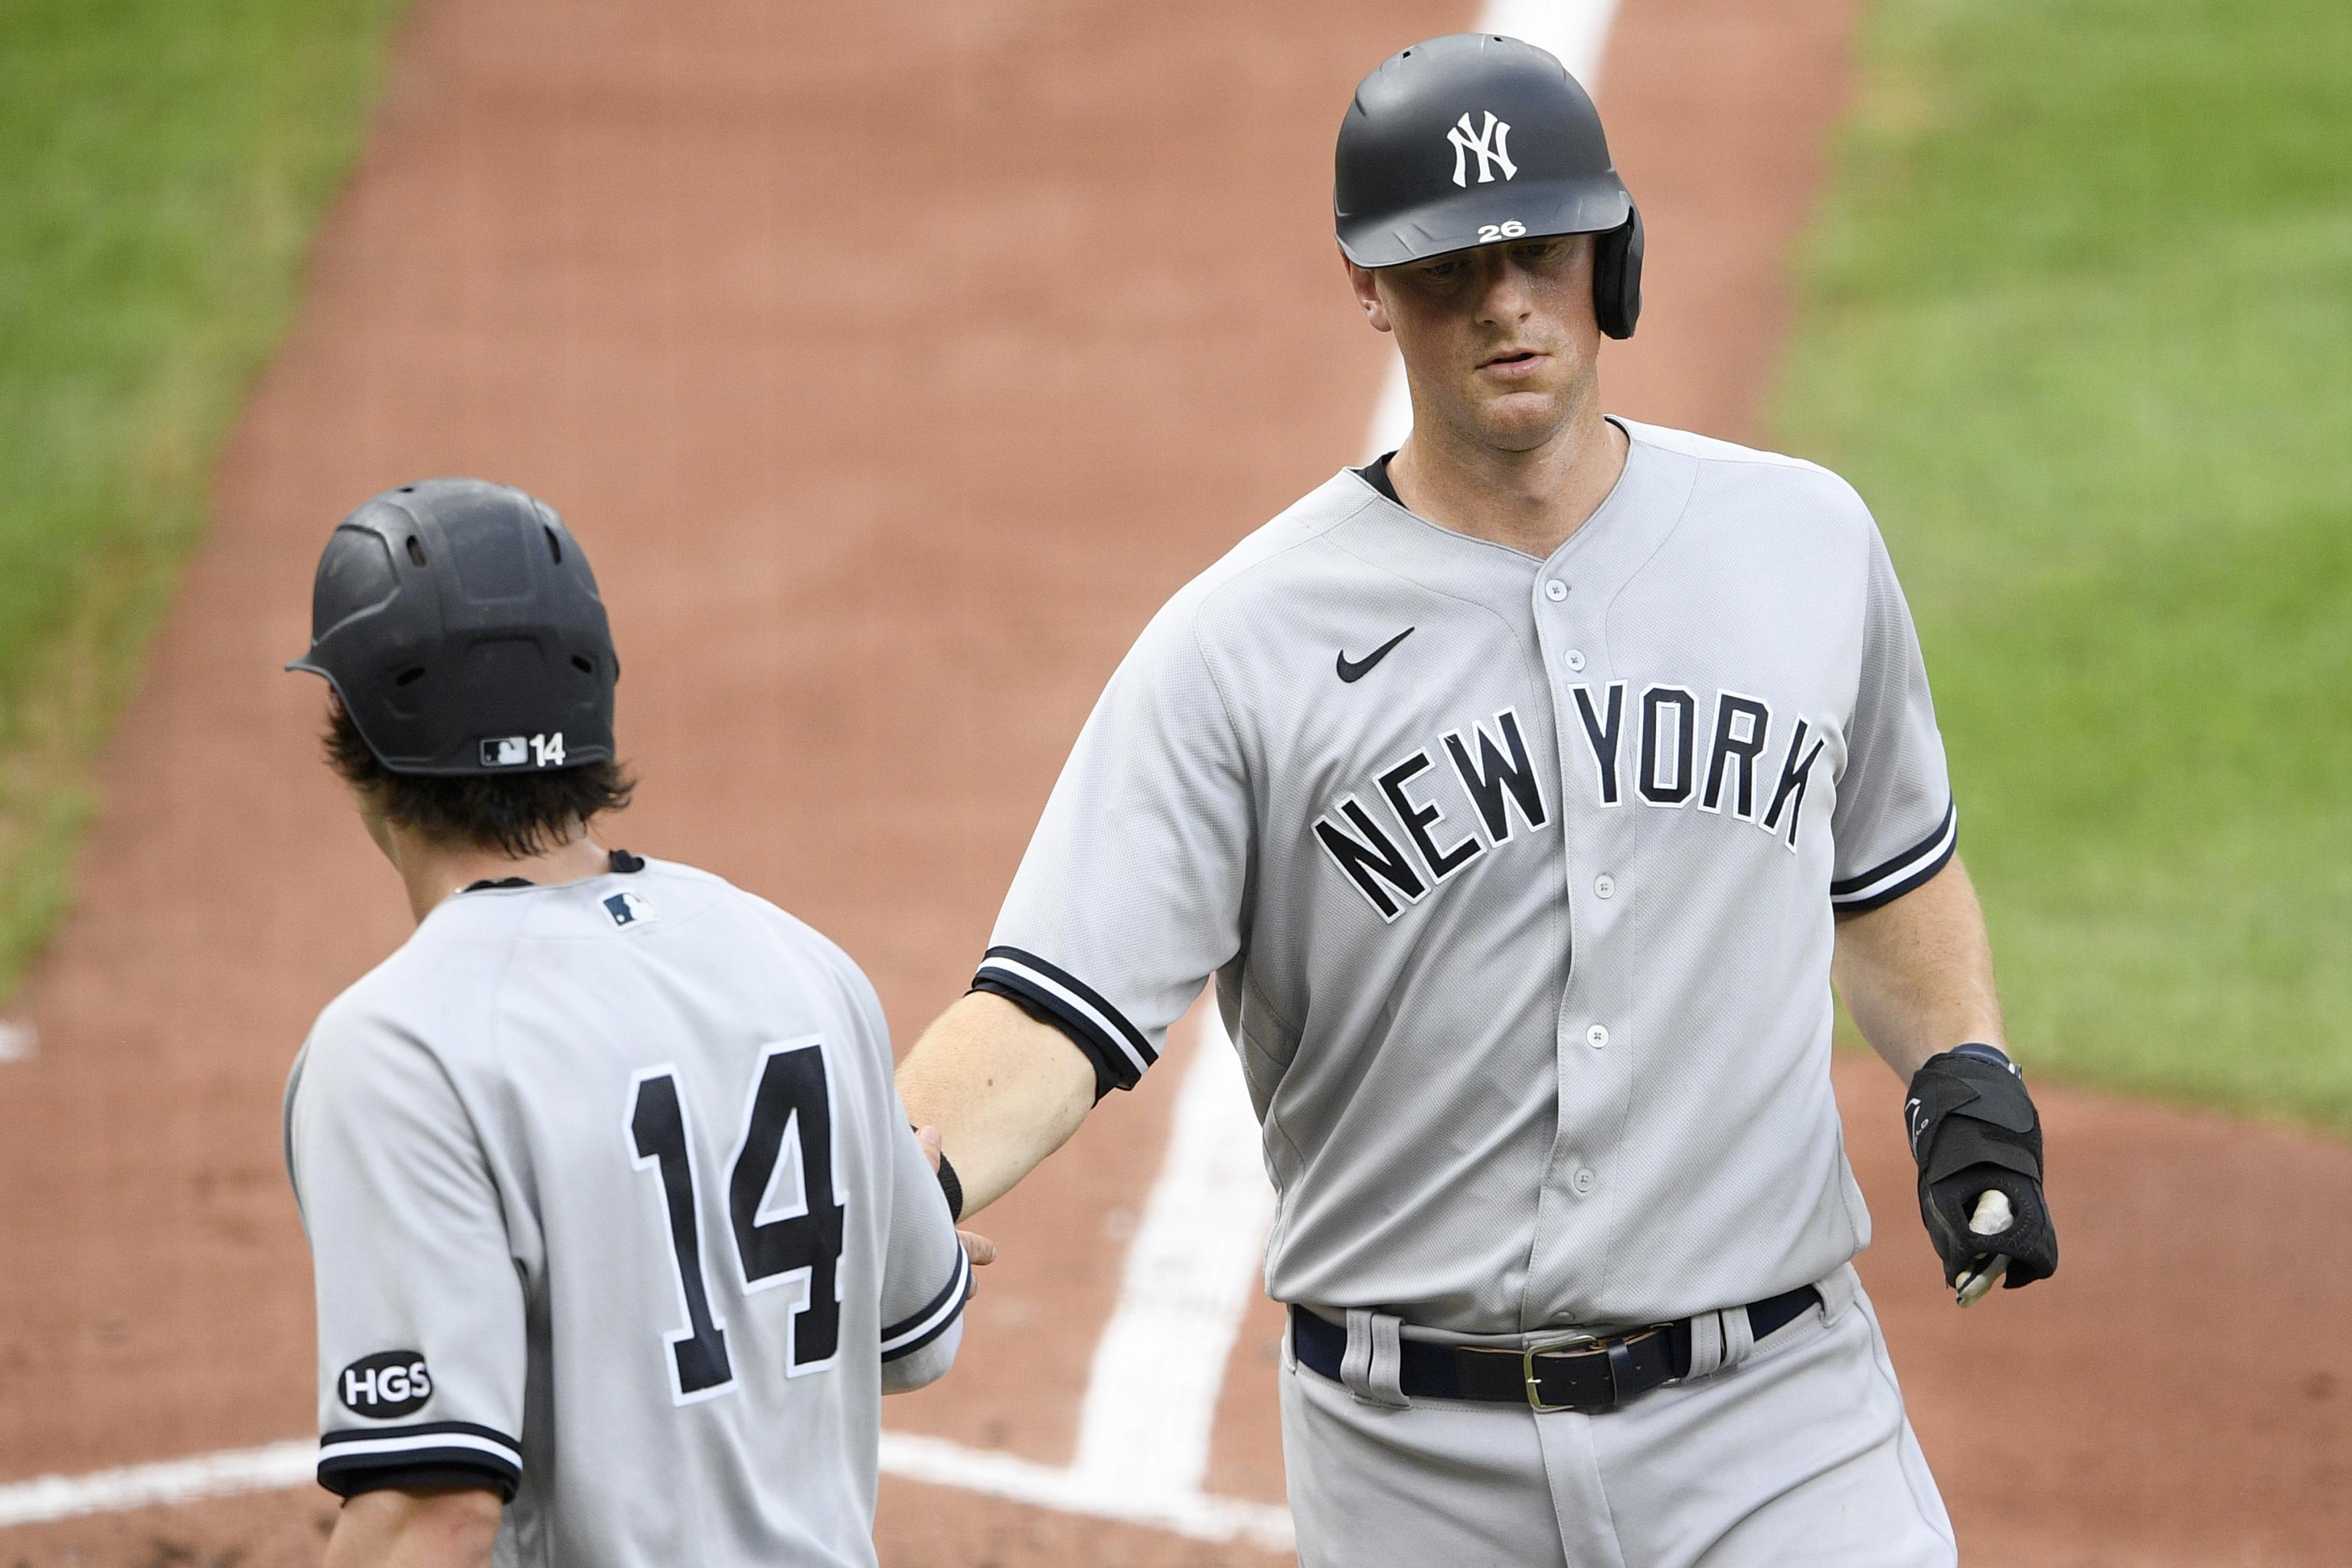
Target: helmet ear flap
(1617, 278)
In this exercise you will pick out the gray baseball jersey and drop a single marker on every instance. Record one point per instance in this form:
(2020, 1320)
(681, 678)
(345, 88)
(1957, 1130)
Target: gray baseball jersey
(614, 1208)
(1516, 878)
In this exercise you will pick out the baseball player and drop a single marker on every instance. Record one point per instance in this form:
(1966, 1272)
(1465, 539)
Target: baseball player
(614, 1213)
(1523, 791)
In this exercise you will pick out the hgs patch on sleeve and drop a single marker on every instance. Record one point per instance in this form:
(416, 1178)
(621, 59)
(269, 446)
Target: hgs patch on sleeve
(385, 1386)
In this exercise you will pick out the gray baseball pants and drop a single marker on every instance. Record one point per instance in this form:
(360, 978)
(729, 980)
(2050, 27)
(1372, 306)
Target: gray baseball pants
(1793, 1452)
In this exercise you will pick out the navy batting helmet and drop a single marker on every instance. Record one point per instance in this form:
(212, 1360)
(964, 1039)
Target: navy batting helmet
(459, 624)
(1476, 139)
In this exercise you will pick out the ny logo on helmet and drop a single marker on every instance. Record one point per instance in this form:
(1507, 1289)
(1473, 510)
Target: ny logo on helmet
(1492, 143)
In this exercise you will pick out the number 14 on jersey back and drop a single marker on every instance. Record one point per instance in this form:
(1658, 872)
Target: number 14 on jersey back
(790, 1103)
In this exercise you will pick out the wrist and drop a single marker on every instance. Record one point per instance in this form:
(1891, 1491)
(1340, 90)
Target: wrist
(951, 1186)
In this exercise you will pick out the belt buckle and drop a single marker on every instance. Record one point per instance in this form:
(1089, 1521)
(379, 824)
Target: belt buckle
(1572, 1344)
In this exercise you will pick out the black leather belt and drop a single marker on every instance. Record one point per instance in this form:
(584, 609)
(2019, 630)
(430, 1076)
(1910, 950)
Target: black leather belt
(1577, 1372)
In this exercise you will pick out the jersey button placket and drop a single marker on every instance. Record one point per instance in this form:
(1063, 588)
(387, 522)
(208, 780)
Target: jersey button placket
(1569, 1247)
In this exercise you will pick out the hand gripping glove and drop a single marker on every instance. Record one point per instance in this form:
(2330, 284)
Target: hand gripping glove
(1974, 1130)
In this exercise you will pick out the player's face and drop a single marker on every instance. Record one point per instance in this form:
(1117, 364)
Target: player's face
(1499, 341)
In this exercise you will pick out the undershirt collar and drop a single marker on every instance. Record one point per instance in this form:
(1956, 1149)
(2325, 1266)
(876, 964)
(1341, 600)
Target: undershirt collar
(623, 863)
(1376, 474)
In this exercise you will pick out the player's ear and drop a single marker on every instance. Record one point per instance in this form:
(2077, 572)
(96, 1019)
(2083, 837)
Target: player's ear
(1368, 293)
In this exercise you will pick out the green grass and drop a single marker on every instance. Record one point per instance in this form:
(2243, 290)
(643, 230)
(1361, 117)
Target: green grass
(162, 165)
(2078, 322)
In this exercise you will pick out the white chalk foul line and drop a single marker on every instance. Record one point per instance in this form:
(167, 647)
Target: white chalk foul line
(1191, 1268)
(272, 1468)
(281, 1467)
(1067, 1490)
(1152, 1395)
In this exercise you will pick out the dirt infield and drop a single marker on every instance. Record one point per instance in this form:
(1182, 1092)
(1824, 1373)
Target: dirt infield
(896, 363)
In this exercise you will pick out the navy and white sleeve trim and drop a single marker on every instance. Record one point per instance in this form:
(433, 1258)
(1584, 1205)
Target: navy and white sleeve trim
(1117, 1048)
(425, 1453)
(910, 1334)
(1891, 879)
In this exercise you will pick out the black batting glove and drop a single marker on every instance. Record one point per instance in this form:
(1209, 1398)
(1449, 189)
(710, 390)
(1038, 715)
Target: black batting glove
(1973, 1130)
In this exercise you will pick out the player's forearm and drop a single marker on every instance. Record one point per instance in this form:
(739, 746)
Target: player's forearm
(446, 1528)
(1003, 1089)
(1916, 973)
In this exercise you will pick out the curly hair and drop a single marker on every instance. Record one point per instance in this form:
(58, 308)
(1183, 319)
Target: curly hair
(521, 814)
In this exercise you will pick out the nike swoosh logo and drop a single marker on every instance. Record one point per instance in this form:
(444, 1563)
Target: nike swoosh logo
(1355, 669)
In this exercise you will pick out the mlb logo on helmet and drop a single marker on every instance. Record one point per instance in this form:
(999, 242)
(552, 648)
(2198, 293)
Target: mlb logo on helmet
(524, 751)
(629, 910)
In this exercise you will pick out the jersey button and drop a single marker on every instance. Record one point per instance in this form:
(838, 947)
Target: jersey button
(1573, 659)
(1555, 590)
(1596, 1037)
(1583, 1181)
(1604, 886)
